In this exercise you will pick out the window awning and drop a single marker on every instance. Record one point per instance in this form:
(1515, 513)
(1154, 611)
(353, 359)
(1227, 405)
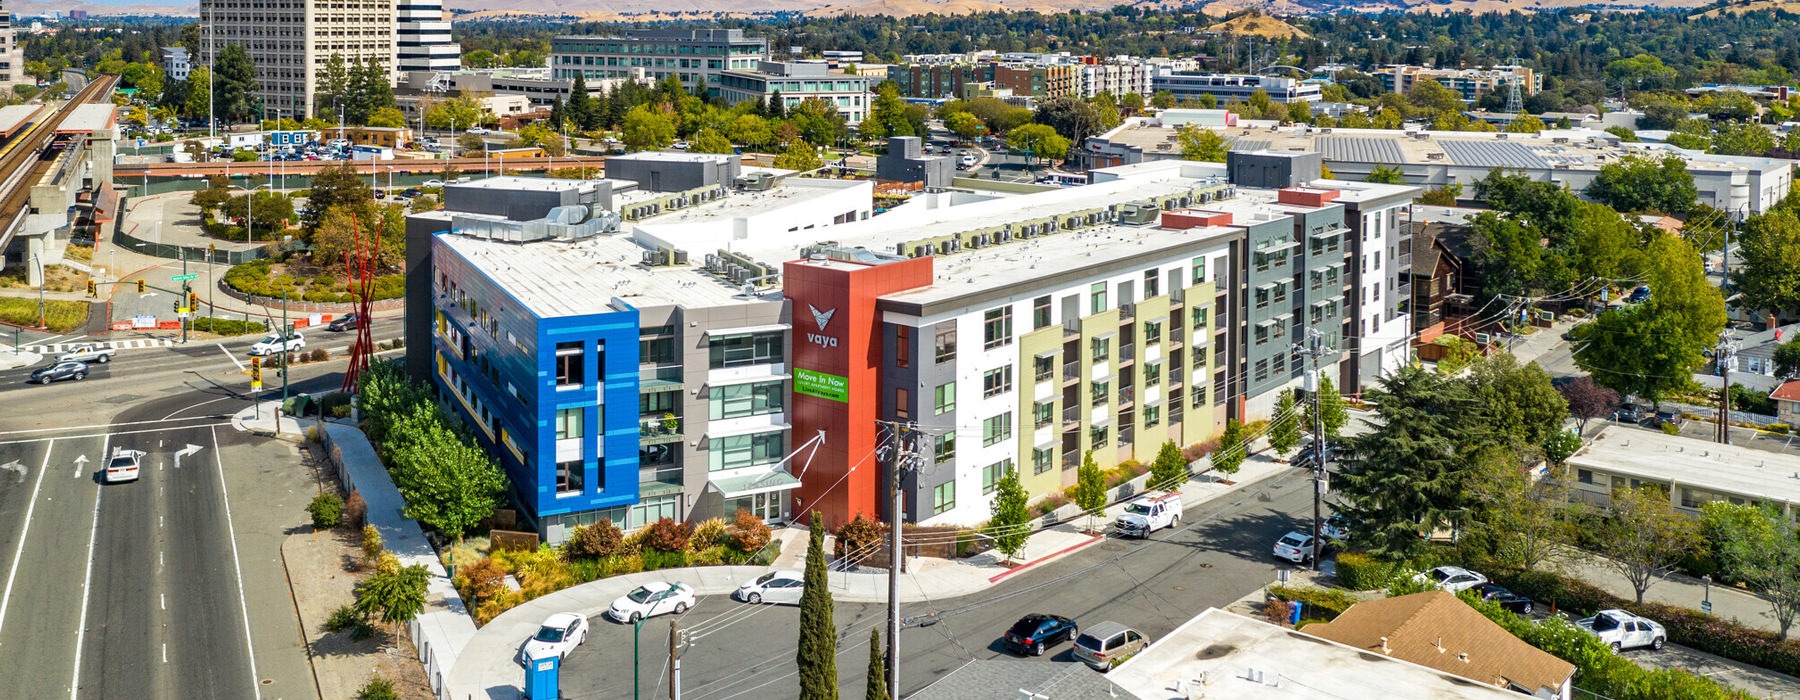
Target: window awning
(745, 330)
(742, 427)
(776, 479)
(1277, 247)
(1049, 353)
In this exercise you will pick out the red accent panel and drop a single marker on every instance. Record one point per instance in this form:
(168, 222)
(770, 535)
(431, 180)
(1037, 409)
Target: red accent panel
(841, 480)
(1183, 219)
(1306, 196)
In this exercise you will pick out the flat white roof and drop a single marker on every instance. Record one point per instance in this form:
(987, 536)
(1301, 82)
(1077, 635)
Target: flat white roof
(1235, 657)
(558, 279)
(14, 116)
(89, 118)
(1773, 477)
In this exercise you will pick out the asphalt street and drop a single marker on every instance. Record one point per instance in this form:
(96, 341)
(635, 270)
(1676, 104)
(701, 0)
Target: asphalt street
(171, 586)
(740, 651)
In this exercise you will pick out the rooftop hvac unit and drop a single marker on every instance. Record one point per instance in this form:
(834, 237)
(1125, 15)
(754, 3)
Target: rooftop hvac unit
(656, 258)
(1500, 136)
(1325, 130)
(1137, 213)
(918, 251)
(680, 258)
(712, 263)
(1205, 197)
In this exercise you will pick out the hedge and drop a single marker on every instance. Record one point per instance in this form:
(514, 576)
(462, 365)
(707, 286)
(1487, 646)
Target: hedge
(1686, 627)
(1361, 572)
(228, 326)
(254, 278)
(1321, 603)
(60, 316)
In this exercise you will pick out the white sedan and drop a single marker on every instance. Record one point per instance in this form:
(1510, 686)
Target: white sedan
(772, 587)
(558, 636)
(1451, 578)
(650, 600)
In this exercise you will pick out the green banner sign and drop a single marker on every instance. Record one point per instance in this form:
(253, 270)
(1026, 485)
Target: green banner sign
(822, 385)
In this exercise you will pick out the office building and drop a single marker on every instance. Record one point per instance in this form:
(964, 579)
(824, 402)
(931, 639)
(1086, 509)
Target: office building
(176, 62)
(291, 41)
(698, 57)
(1191, 85)
(1470, 84)
(422, 37)
(12, 60)
(958, 80)
(798, 82)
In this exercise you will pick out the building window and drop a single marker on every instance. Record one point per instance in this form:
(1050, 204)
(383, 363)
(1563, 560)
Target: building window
(1151, 288)
(1199, 267)
(990, 475)
(996, 327)
(1043, 414)
(742, 400)
(568, 477)
(568, 365)
(1152, 332)
(1042, 459)
(739, 451)
(996, 429)
(569, 422)
(1262, 369)
(1584, 476)
(1043, 368)
(1097, 436)
(1199, 318)
(996, 381)
(902, 346)
(1101, 349)
(656, 351)
(946, 345)
(1152, 373)
(1097, 297)
(741, 350)
(943, 497)
(658, 402)
(902, 403)
(944, 399)
(1100, 392)
(1152, 416)
(943, 447)
(1040, 312)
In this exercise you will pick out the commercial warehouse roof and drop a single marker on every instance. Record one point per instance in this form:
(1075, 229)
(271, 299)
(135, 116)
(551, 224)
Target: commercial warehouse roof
(1772, 477)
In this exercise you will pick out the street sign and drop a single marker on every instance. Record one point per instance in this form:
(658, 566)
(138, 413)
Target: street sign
(1706, 606)
(256, 385)
(184, 311)
(184, 278)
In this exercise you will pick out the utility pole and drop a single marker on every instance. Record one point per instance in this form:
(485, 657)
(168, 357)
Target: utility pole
(674, 660)
(905, 458)
(1314, 348)
(1725, 355)
(185, 291)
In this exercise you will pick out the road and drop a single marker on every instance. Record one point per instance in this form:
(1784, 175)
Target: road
(1151, 585)
(168, 587)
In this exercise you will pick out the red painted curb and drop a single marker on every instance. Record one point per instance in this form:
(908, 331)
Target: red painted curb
(1045, 558)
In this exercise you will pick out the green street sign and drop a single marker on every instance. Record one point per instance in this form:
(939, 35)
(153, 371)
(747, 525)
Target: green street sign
(184, 278)
(822, 385)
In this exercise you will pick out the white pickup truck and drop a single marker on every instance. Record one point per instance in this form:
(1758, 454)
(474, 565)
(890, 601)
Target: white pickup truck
(88, 352)
(1152, 511)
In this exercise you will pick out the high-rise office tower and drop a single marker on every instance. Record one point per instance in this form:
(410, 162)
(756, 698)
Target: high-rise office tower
(290, 41)
(423, 39)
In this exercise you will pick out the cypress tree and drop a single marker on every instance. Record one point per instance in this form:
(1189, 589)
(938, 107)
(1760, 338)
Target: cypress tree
(877, 684)
(816, 654)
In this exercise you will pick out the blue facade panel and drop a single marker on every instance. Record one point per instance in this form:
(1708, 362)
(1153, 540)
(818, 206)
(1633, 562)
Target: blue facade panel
(609, 352)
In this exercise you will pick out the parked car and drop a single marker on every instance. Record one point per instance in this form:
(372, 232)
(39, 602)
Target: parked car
(123, 465)
(1639, 295)
(681, 146)
(1309, 455)
(1336, 527)
(274, 343)
(1622, 630)
(967, 161)
(1452, 578)
(411, 192)
(1667, 416)
(88, 352)
(434, 182)
(773, 587)
(1035, 632)
(1629, 413)
(1108, 644)
(477, 130)
(346, 322)
(559, 635)
(1152, 511)
(1507, 599)
(650, 600)
(60, 371)
(1296, 547)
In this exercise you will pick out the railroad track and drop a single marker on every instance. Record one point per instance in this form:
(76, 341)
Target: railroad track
(22, 162)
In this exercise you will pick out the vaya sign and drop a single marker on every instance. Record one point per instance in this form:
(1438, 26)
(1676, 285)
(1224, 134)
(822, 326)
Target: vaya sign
(823, 319)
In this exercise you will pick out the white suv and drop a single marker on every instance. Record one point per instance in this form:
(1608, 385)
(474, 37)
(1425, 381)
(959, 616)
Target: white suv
(1622, 630)
(273, 344)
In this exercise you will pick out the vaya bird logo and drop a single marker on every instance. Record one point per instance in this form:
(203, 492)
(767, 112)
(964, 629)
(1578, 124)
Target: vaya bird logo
(823, 318)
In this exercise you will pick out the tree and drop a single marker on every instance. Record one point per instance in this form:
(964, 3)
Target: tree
(1200, 144)
(1641, 183)
(1234, 446)
(1787, 359)
(194, 102)
(1299, 111)
(581, 108)
(965, 125)
(749, 129)
(1037, 140)
(1072, 117)
(1162, 99)
(1106, 109)
(387, 117)
(1416, 470)
(1642, 72)
(1516, 403)
(1170, 469)
(449, 484)
(648, 128)
(820, 122)
(1761, 548)
(1643, 537)
(1132, 103)
(1090, 487)
(800, 155)
(1746, 138)
(459, 112)
(1433, 98)
(877, 675)
(1011, 515)
(887, 114)
(1386, 174)
(1650, 349)
(334, 187)
(816, 654)
(1331, 407)
(1768, 273)
(1442, 195)
(1284, 427)
(234, 88)
(711, 141)
(1588, 400)
(396, 592)
(1526, 519)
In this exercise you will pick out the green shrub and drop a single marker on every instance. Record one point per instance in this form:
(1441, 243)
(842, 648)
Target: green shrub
(666, 535)
(1670, 429)
(60, 316)
(1321, 603)
(346, 619)
(1361, 572)
(228, 326)
(1779, 428)
(656, 559)
(708, 533)
(327, 511)
(377, 688)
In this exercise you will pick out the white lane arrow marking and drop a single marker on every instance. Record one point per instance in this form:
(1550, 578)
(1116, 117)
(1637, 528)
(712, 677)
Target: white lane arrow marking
(15, 467)
(80, 465)
(186, 451)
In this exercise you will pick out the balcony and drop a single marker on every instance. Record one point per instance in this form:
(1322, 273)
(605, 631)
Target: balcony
(1071, 417)
(659, 480)
(1043, 420)
(658, 429)
(1127, 353)
(1071, 459)
(1071, 329)
(1071, 372)
(1127, 312)
(653, 379)
(1177, 298)
(1127, 396)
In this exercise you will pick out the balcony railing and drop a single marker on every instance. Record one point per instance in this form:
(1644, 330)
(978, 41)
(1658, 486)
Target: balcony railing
(1127, 395)
(659, 429)
(1127, 353)
(1071, 459)
(1071, 417)
(1072, 369)
(1127, 311)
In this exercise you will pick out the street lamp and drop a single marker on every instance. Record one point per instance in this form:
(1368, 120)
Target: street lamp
(41, 281)
(249, 210)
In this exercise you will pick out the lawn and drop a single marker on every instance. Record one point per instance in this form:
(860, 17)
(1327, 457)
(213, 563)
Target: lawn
(61, 316)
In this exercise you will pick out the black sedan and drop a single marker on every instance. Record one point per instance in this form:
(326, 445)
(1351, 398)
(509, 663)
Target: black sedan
(1507, 599)
(1034, 633)
(60, 371)
(346, 322)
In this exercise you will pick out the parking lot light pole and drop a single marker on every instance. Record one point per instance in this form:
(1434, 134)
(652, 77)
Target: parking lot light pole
(636, 627)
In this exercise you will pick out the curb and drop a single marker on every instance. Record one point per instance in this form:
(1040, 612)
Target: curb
(301, 620)
(1053, 556)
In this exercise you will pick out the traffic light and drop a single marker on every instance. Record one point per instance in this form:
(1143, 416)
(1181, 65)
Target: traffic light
(90, 288)
(176, 306)
(193, 299)
(256, 370)
(140, 285)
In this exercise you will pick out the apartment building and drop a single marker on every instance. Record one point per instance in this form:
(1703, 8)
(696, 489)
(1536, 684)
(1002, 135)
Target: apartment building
(422, 39)
(698, 57)
(176, 62)
(1469, 83)
(290, 41)
(797, 83)
(1190, 85)
(957, 80)
(1119, 76)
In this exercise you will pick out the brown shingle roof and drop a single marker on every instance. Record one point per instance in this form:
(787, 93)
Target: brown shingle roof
(1436, 630)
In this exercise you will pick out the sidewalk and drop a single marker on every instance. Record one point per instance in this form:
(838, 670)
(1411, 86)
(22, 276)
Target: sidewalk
(488, 669)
